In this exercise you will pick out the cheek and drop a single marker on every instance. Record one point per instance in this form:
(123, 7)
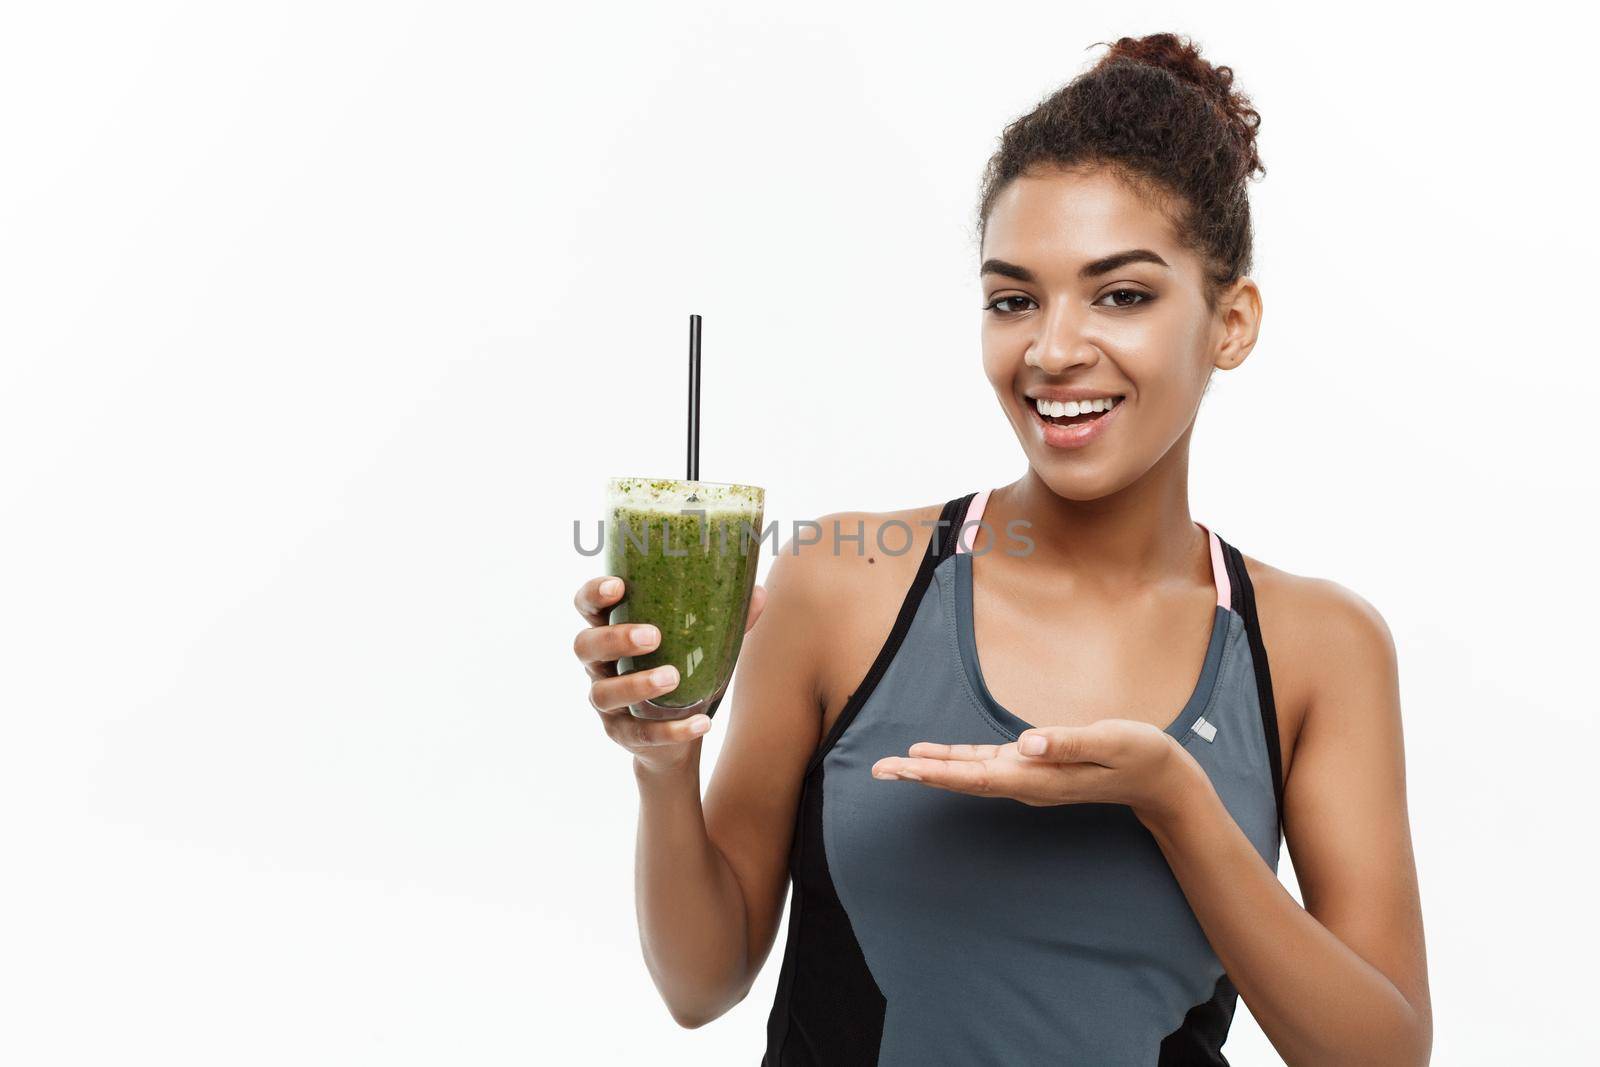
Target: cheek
(1000, 362)
(1162, 354)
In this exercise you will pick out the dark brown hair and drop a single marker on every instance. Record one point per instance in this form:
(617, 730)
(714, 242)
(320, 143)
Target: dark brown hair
(1168, 122)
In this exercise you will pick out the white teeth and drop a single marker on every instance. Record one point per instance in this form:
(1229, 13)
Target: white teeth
(1058, 408)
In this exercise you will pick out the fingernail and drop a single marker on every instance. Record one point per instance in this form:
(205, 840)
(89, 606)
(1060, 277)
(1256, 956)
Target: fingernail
(644, 635)
(699, 725)
(610, 587)
(1032, 745)
(664, 675)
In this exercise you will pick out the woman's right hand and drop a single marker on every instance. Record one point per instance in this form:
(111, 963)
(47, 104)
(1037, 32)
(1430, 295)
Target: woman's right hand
(658, 744)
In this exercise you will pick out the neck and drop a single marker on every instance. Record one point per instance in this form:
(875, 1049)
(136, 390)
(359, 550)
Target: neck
(1140, 535)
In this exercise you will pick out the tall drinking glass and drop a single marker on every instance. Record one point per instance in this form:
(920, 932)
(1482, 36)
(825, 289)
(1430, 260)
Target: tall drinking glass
(686, 552)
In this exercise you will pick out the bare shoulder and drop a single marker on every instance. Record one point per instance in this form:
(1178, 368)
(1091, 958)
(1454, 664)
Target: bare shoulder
(1345, 813)
(850, 571)
(828, 558)
(1320, 637)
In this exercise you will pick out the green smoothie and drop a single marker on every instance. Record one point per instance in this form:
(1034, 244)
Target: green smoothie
(687, 553)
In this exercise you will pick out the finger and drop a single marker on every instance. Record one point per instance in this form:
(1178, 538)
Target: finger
(611, 696)
(1095, 743)
(631, 732)
(596, 597)
(935, 750)
(980, 778)
(758, 601)
(604, 645)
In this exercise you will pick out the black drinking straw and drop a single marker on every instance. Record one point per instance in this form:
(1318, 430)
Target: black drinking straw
(694, 398)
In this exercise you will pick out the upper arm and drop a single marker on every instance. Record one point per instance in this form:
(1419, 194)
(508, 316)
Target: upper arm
(1345, 814)
(773, 728)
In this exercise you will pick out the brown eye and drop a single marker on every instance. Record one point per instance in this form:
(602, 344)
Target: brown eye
(1124, 298)
(996, 305)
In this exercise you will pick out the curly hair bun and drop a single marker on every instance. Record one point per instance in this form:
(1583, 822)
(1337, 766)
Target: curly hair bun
(1181, 58)
(1154, 109)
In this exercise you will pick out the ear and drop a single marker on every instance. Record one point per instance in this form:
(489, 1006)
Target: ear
(1239, 316)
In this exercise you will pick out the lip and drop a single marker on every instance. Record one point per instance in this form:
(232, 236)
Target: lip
(1072, 436)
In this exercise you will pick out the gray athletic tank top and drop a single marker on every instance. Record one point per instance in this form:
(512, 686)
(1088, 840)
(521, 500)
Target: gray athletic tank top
(931, 927)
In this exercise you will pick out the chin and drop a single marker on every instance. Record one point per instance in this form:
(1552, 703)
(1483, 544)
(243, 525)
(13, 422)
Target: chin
(1077, 489)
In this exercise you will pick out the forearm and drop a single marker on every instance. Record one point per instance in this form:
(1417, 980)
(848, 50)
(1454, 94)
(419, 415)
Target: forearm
(690, 906)
(1315, 998)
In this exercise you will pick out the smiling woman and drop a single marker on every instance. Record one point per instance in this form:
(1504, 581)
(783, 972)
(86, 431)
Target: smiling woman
(1087, 277)
(1030, 806)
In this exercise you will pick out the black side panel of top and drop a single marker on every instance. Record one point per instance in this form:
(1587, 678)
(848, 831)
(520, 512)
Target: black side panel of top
(828, 1010)
(1198, 1042)
(1244, 602)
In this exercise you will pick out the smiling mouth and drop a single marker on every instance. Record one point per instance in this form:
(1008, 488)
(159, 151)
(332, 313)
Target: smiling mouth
(1068, 413)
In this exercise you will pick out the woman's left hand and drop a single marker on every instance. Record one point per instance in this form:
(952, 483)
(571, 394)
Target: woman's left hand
(1113, 761)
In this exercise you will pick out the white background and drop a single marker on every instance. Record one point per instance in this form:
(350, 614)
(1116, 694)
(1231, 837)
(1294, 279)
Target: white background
(323, 321)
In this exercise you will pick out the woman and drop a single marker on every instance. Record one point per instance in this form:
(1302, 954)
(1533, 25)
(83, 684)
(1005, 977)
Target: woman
(1035, 860)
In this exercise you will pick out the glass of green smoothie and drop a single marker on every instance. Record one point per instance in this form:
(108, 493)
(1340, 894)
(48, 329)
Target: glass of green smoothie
(686, 552)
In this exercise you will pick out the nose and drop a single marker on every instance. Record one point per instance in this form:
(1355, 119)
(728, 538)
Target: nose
(1063, 340)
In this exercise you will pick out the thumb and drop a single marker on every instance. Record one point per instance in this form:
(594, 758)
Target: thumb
(1061, 744)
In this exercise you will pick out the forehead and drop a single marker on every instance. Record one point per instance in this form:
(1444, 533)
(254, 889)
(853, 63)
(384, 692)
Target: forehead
(1074, 216)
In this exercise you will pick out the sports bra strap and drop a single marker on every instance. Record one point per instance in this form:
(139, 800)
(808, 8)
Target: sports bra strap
(969, 525)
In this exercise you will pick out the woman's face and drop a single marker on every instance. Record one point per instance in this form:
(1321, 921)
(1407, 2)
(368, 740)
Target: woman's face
(1088, 292)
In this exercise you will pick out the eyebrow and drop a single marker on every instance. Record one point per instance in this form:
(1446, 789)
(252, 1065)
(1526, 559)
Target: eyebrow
(1102, 265)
